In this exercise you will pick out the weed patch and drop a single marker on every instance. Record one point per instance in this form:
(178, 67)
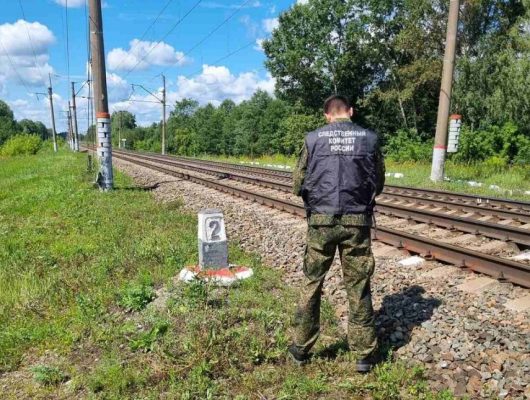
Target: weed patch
(48, 376)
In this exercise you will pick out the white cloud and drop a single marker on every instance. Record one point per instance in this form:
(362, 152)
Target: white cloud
(144, 54)
(17, 43)
(24, 52)
(71, 3)
(118, 88)
(302, 1)
(217, 83)
(270, 24)
(259, 44)
(213, 85)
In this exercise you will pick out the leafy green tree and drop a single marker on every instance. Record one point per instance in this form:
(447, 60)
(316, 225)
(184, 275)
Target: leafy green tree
(294, 128)
(271, 134)
(121, 122)
(385, 54)
(227, 112)
(8, 125)
(29, 127)
(318, 50)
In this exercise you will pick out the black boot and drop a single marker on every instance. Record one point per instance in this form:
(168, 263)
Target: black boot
(297, 356)
(365, 365)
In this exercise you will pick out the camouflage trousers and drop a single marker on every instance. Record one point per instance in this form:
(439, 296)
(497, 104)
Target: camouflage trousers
(354, 244)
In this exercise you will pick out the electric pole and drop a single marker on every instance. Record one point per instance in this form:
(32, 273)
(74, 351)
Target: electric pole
(104, 145)
(119, 133)
(70, 130)
(74, 121)
(163, 115)
(54, 132)
(161, 101)
(440, 140)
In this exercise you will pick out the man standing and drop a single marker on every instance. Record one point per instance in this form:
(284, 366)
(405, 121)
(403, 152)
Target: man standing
(339, 173)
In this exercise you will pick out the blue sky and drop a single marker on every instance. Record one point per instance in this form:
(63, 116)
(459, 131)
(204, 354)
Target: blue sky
(33, 43)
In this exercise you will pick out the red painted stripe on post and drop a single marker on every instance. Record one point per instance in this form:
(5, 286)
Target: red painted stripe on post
(440, 147)
(102, 115)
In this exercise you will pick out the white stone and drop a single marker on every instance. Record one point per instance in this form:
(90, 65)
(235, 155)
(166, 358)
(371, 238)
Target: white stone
(186, 275)
(414, 261)
(524, 256)
(474, 184)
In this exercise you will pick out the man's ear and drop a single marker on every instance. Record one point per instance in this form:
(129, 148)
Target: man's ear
(351, 112)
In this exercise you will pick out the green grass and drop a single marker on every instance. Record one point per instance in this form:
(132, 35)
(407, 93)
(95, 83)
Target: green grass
(78, 273)
(513, 181)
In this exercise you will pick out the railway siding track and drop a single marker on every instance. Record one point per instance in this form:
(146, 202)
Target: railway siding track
(500, 268)
(412, 211)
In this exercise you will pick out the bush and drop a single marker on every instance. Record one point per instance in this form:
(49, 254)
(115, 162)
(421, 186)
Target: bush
(498, 142)
(407, 145)
(21, 145)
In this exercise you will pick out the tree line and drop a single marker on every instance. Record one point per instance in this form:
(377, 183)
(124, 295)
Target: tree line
(387, 56)
(9, 126)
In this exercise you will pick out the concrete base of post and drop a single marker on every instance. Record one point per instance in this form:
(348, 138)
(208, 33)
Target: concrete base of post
(438, 163)
(219, 277)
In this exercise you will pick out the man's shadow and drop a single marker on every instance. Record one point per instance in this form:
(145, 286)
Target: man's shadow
(404, 310)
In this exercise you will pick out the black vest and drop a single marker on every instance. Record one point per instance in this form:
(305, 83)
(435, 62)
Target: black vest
(341, 170)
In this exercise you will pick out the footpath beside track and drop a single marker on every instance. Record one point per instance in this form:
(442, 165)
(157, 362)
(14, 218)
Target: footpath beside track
(500, 268)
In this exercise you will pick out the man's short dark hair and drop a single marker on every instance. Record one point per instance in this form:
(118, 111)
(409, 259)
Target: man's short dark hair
(336, 103)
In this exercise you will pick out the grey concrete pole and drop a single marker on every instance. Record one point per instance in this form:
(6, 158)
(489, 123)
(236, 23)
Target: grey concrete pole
(74, 121)
(164, 115)
(54, 132)
(70, 130)
(104, 144)
(440, 140)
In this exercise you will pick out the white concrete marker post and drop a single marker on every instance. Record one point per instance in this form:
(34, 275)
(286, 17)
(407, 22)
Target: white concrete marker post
(213, 253)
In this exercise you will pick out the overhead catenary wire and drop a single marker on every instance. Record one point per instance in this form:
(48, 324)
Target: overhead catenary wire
(9, 59)
(148, 28)
(179, 21)
(27, 32)
(223, 58)
(205, 38)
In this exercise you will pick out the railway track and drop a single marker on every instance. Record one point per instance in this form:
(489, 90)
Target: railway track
(471, 203)
(498, 267)
(402, 206)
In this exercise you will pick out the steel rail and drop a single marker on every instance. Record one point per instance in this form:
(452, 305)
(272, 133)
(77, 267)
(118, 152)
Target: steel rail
(500, 268)
(507, 233)
(468, 208)
(481, 201)
(265, 182)
(516, 214)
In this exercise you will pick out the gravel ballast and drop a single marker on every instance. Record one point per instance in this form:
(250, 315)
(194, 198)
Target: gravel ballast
(469, 343)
